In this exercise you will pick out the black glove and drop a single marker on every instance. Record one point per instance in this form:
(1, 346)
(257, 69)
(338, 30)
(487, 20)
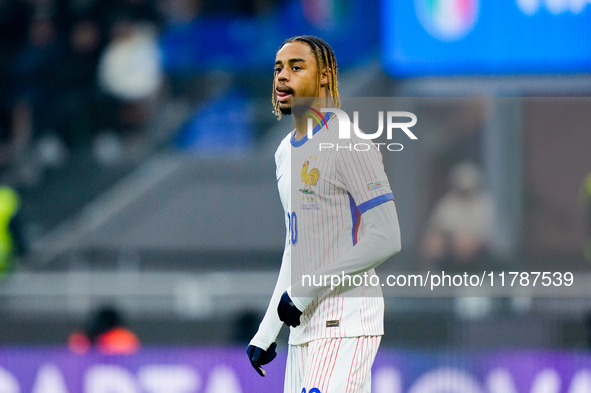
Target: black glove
(288, 312)
(258, 357)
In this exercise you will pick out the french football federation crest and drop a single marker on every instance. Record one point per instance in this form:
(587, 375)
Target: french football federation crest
(310, 178)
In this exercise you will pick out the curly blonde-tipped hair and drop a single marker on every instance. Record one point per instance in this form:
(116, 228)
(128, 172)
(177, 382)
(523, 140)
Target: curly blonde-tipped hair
(324, 58)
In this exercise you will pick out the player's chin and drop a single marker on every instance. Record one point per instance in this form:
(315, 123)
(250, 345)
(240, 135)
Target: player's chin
(285, 108)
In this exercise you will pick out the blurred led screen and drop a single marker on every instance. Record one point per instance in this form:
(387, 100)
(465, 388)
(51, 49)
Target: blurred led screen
(455, 37)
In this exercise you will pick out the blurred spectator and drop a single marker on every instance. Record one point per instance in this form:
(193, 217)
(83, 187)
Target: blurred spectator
(35, 72)
(130, 74)
(106, 332)
(12, 244)
(74, 116)
(14, 17)
(460, 227)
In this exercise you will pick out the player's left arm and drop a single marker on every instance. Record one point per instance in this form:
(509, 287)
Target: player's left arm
(362, 175)
(380, 241)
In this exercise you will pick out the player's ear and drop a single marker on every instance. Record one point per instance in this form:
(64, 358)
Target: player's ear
(324, 76)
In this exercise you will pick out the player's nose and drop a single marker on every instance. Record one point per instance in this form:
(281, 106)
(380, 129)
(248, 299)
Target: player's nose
(283, 75)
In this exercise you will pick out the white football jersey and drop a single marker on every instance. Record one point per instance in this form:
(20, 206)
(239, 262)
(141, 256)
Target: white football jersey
(324, 191)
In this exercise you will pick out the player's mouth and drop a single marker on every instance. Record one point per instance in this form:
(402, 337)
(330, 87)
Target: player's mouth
(283, 93)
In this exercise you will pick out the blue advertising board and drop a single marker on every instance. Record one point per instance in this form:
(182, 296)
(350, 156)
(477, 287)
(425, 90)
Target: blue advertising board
(472, 37)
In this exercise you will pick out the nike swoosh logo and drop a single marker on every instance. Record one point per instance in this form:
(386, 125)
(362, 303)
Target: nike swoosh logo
(279, 178)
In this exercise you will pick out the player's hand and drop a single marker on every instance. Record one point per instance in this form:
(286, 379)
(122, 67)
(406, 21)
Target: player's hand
(259, 356)
(288, 312)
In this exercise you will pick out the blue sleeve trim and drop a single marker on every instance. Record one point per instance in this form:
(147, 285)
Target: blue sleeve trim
(365, 206)
(355, 219)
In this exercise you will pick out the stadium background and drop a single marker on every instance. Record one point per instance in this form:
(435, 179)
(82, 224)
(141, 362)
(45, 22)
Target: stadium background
(140, 139)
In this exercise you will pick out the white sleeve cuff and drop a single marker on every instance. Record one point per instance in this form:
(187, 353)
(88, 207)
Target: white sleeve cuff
(301, 303)
(263, 345)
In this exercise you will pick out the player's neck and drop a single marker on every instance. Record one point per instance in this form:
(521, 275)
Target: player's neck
(301, 125)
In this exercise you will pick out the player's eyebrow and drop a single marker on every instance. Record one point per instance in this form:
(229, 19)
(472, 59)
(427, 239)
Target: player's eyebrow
(291, 61)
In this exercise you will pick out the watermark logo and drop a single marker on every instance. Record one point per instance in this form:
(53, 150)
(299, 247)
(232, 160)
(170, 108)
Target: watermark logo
(316, 116)
(345, 125)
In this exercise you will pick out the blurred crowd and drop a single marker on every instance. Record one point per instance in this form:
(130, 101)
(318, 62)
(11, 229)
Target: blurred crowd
(85, 73)
(59, 64)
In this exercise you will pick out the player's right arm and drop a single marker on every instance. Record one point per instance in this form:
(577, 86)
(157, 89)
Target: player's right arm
(271, 325)
(261, 349)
